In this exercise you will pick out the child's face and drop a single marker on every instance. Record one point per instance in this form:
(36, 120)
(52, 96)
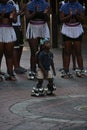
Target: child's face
(47, 45)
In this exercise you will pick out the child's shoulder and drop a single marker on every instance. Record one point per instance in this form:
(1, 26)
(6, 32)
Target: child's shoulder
(42, 52)
(50, 52)
(39, 54)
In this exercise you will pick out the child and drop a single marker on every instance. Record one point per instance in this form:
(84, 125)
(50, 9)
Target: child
(45, 61)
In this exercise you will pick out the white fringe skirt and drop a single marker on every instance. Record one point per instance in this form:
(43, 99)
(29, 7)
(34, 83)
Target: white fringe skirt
(37, 29)
(7, 34)
(72, 31)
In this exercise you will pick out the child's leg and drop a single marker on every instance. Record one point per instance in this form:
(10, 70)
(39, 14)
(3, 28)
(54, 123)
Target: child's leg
(38, 90)
(51, 86)
(39, 84)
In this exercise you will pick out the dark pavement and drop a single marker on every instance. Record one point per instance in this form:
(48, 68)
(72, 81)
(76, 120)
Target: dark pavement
(67, 110)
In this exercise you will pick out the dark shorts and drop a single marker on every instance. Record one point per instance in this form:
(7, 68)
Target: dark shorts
(19, 42)
(65, 38)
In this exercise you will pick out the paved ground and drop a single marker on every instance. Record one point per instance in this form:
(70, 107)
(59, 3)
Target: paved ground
(67, 110)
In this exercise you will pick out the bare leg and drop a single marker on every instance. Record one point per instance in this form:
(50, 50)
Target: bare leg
(1, 53)
(33, 43)
(15, 58)
(8, 50)
(78, 53)
(67, 54)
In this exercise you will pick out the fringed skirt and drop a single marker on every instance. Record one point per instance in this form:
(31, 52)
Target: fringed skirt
(37, 29)
(72, 30)
(7, 34)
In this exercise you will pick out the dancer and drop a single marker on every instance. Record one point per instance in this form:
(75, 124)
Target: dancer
(7, 35)
(72, 16)
(37, 15)
(18, 48)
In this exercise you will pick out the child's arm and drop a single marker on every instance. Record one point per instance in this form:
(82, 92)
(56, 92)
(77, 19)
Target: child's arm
(52, 64)
(53, 68)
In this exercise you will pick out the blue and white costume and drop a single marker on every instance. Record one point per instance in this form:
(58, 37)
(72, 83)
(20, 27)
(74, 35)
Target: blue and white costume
(7, 33)
(75, 29)
(37, 27)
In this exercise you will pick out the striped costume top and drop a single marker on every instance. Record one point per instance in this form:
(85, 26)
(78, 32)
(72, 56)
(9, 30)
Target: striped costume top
(71, 6)
(42, 5)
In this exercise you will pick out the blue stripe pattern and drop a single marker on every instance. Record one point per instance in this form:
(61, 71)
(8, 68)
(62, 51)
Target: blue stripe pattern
(6, 7)
(71, 6)
(42, 5)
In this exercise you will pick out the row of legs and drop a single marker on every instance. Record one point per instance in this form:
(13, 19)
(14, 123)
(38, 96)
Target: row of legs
(74, 49)
(12, 56)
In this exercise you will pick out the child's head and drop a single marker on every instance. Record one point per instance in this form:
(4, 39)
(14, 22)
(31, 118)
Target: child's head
(45, 43)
